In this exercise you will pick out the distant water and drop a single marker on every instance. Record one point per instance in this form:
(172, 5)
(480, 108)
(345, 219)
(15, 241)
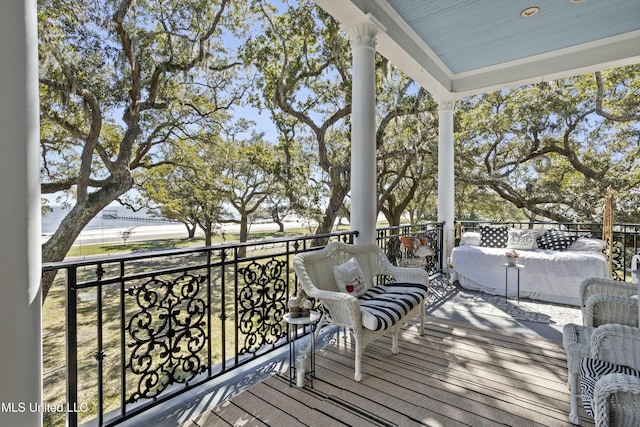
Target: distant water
(51, 220)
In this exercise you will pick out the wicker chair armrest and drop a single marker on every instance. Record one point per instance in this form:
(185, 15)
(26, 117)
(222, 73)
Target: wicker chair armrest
(601, 309)
(610, 385)
(600, 285)
(572, 344)
(344, 309)
(408, 274)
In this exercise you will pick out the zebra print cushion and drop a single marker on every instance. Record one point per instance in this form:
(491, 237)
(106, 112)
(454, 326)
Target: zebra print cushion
(383, 306)
(591, 370)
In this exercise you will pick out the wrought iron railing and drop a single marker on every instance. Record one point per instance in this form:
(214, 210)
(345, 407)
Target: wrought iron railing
(143, 328)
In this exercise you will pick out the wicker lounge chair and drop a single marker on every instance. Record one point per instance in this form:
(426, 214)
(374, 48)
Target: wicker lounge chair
(578, 342)
(610, 377)
(383, 309)
(604, 301)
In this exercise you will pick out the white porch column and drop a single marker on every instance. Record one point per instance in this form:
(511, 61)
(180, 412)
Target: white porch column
(446, 193)
(363, 133)
(20, 252)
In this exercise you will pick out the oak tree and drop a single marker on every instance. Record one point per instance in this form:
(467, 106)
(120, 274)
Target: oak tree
(119, 79)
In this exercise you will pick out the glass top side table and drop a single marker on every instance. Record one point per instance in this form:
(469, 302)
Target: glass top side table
(302, 362)
(508, 267)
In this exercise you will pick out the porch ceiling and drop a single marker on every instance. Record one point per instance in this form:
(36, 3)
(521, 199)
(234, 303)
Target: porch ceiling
(455, 48)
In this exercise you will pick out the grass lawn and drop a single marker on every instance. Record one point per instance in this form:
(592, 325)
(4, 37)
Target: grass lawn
(158, 244)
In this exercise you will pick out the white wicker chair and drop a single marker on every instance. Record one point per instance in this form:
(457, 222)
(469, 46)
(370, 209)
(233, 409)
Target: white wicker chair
(604, 301)
(616, 396)
(316, 275)
(608, 301)
(578, 342)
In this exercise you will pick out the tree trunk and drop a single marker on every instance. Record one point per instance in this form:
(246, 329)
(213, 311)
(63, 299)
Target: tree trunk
(330, 214)
(244, 233)
(191, 230)
(56, 248)
(394, 218)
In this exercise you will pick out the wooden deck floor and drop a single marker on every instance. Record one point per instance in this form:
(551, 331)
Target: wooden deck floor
(454, 375)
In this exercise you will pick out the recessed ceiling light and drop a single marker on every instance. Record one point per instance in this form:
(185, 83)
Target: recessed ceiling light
(576, 1)
(530, 11)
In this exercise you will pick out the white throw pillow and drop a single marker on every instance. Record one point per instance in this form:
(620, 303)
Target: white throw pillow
(470, 238)
(522, 239)
(350, 278)
(586, 244)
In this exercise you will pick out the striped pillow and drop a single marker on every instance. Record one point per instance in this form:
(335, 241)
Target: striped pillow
(591, 370)
(383, 306)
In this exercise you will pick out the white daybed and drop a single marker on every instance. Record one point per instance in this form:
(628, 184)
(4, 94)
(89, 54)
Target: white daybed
(548, 275)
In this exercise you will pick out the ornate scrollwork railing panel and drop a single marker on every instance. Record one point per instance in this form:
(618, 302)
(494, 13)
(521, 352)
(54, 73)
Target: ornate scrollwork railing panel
(262, 298)
(167, 334)
(393, 250)
(433, 237)
(617, 254)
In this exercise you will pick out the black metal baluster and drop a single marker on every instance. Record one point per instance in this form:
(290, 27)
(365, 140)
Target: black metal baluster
(209, 319)
(72, 344)
(99, 355)
(123, 345)
(235, 304)
(223, 305)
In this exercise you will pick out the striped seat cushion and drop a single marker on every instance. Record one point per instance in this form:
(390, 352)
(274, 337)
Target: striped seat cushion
(383, 306)
(591, 370)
